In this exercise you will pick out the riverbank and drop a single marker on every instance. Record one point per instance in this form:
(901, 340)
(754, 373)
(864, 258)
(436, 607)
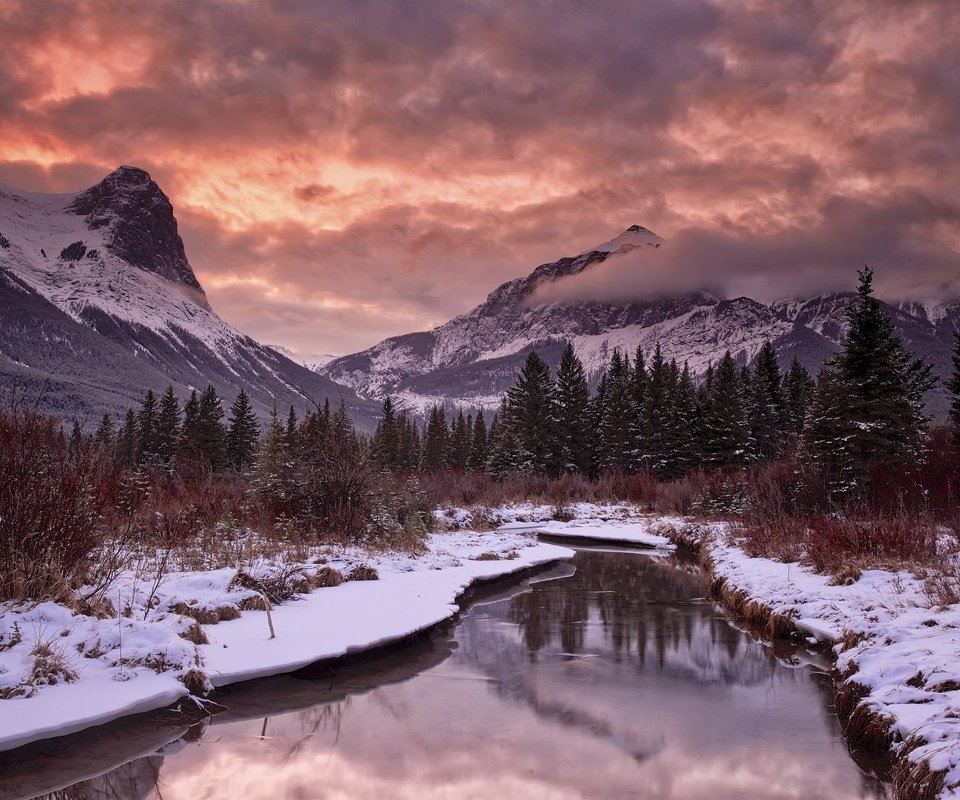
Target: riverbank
(61, 671)
(895, 647)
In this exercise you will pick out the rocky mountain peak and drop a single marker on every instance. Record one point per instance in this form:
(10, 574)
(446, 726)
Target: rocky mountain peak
(139, 217)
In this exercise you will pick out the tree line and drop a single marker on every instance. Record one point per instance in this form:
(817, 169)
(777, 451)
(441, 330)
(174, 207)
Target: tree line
(648, 414)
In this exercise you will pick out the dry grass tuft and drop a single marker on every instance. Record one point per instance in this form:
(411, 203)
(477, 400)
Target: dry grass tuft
(327, 577)
(202, 615)
(50, 665)
(363, 572)
(196, 682)
(227, 612)
(195, 634)
(486, 557)
(914, 780)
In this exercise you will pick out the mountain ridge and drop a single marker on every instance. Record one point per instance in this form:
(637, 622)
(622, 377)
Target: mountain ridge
(474, 357)
(104, 274)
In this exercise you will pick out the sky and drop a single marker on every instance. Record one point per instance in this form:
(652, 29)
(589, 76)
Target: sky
(347, 170)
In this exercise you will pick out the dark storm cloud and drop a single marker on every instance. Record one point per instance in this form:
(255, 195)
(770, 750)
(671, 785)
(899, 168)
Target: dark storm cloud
(352, 168)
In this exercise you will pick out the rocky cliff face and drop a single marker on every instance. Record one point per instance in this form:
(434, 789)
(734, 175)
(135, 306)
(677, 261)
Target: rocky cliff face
(99, 303)
(475, 357)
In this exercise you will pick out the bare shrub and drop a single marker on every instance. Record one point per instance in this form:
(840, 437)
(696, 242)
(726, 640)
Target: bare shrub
(52, 504)
(50, 664)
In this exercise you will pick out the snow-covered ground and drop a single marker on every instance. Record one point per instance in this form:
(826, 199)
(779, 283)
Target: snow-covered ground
(61, 672)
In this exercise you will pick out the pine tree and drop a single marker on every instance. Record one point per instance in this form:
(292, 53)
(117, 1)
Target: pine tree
(727, 443)
(617, 422)
(507, 456)
(168, 429)
(479, 452)
(532, 416)
(127, 440)
(460, 442)
(436, 442)
(147, 429)
(211, 433)
(766, 404)
(385, 444)
(273, 474)
(105, 434)
(685, 423)
(798, 390)
(573, 414)
(874, 392)
(188, 448)
(656, 423)
(953, 386)
(243, 434)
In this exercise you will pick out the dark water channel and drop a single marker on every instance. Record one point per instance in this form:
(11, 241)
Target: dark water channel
(616, 681)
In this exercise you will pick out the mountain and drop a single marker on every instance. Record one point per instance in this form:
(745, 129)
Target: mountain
(98, 302)
(472, 359)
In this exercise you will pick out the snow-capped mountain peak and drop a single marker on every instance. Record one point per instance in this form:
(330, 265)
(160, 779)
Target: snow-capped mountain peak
(634, 236)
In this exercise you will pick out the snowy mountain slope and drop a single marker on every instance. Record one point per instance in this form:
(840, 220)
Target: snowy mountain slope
(101, 302)
(472, 359)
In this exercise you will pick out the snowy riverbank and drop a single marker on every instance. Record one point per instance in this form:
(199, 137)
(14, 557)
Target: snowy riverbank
(62, 672)
(895, 647)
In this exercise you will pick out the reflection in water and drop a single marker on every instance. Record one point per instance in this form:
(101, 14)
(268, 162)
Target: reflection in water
(620, 681)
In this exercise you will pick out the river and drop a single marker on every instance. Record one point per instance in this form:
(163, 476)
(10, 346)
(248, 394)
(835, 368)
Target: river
(608, 677)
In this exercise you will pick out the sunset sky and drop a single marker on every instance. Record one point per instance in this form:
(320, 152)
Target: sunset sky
(346, 171)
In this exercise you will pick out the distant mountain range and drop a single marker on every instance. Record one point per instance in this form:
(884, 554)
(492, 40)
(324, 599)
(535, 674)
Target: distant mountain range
(472, 359)
(98, 303)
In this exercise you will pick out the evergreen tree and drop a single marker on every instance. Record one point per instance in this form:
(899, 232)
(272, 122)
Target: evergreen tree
(127, 440)
(479, 452)
(727, 435)
(243, 434)
(656, 422)
(532, 416)
(506, 452)
(411, 447)
(291, 431)
(953, 386)
(147, 429)
(436, 442)
(211, 433)
(385, 444)
(798, 389)
(105, 434)
(273, 474)
(168, 429)
(684, 420)
(766, 404)
(573, 414)
(617, 422)
(460, 442)
(188, 446)
(874, 393)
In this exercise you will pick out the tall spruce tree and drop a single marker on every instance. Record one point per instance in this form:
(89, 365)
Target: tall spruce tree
(243, 434)
(105, 434)
(479, 450)
(127, 440)
(436, 442)
(657, 423)
(874, 394)
(727, 434)
(617, 422)
(147, 429)
(953, 386)
(798, 390)
(211, 433)
(385, 444)
(573, 414)
(532, 416)
(168, 429)
(766, 404)
(460, 442)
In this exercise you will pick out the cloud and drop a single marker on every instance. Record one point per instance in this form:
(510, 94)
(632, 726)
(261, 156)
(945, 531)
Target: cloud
(397, 161)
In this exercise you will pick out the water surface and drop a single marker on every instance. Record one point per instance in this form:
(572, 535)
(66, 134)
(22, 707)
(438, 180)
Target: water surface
(618, 681)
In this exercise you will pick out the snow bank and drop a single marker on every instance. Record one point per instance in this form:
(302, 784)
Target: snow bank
(96, 670)
(904, 651)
